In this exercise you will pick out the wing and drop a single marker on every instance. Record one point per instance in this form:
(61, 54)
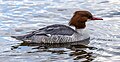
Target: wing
(48, 31)
(56, 29)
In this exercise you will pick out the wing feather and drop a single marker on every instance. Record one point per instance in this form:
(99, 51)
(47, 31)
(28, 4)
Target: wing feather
(56, 29)
(48, 31)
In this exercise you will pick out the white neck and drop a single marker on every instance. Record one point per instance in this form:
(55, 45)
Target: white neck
(80, 30)
(81, 35)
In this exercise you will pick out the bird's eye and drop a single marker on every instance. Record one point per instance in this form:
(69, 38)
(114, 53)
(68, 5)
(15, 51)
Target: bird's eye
(89, 17)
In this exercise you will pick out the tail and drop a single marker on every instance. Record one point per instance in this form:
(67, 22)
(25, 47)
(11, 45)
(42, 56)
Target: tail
(18, 37)
(23, 37)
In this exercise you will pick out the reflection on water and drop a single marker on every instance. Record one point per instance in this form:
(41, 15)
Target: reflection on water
(75, 51)
(22, 16)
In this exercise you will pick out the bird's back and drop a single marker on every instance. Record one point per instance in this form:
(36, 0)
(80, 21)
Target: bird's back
(51, 34)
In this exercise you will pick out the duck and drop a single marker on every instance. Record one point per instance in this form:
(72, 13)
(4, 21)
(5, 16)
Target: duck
(58, 33)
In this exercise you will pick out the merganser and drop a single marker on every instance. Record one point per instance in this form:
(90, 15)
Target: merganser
(58, 33)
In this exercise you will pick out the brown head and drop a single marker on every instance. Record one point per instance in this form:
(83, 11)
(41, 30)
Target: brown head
(80, 18)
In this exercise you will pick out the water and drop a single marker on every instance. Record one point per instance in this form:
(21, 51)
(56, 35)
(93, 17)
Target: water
(22, 16)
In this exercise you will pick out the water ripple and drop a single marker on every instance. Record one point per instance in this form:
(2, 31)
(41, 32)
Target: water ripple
(22, 16)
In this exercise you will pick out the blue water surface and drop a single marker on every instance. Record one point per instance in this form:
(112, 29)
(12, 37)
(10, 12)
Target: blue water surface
(21, 16)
